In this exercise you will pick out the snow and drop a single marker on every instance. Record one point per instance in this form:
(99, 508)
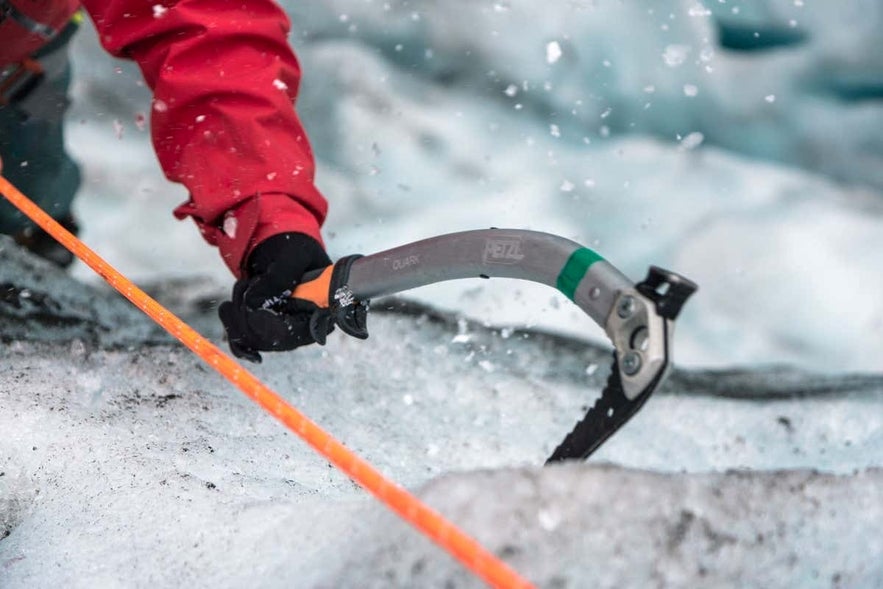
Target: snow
(735, 142)
(126, 458)
(553, 52)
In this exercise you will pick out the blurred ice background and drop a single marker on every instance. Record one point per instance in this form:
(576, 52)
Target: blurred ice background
(737, 142)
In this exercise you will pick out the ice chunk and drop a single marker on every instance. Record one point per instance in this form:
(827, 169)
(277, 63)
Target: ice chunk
(553, 52)
(675, 55)
(693, 140)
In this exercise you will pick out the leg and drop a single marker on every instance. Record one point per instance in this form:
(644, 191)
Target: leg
(32, 148)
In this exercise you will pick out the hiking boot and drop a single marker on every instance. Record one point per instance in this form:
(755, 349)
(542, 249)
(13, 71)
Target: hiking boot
(45, 246)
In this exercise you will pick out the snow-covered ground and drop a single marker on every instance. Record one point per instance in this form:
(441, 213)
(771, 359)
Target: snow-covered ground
(126, 462)
(736, 142)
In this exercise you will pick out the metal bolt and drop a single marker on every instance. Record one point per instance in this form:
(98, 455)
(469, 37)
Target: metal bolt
(631, 363)
(626, 307)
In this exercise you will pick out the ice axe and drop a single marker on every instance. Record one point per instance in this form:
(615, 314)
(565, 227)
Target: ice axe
(638, 318)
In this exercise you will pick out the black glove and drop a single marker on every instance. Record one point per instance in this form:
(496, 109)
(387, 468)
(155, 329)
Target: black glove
(262, 315)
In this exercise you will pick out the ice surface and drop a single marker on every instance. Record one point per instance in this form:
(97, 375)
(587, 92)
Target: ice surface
(42, 304)
(124, 458)
(608, 527)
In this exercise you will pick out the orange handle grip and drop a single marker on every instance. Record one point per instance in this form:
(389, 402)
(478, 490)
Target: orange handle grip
(316, 289)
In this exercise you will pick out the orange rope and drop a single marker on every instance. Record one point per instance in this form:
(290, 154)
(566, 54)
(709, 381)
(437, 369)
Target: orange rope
(469, 552)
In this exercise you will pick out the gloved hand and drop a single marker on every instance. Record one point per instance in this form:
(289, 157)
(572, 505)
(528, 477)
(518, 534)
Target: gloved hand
(262, 315)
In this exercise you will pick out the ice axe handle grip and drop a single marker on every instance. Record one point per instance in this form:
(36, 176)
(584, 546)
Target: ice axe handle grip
(322, 286)
(315, 286)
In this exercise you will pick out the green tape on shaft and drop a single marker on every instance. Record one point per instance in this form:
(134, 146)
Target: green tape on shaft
(573, 271)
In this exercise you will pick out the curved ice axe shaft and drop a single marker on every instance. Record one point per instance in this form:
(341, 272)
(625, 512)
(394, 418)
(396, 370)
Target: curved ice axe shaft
(638, 318)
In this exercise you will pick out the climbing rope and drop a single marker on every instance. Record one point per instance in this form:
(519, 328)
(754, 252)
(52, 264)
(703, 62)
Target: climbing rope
(444, 533)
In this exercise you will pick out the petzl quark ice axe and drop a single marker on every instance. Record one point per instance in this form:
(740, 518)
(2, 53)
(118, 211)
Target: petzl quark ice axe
(638, 318)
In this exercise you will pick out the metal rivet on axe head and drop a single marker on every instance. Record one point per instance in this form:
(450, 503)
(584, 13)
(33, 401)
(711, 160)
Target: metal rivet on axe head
(631, 363)
(626, 307)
